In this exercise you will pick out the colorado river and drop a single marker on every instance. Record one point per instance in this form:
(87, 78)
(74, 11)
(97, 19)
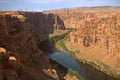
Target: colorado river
(67, 60)
(87, 71)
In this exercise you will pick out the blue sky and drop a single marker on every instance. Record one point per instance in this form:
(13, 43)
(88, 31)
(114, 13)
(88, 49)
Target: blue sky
(39, 5)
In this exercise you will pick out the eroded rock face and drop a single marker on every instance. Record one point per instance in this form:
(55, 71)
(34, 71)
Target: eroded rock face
(19, 35)
(96, 34)
(102, 32)
(59, 24)
(93, 27)
(9, 70)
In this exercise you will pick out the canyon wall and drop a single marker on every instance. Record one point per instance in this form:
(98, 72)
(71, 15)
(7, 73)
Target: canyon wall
(20, 59)
(97, 32)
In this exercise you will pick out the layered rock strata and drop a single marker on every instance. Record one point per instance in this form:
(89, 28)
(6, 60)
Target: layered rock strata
(19, 34)
(97, 32)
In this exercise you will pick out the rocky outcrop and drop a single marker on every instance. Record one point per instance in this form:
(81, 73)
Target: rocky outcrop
(19, 33)
(10, 69)
(59, 24)
(103, 32)
(41, 24)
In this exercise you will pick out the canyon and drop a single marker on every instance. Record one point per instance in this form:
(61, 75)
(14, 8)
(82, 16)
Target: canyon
(20, 58)
(96, 35)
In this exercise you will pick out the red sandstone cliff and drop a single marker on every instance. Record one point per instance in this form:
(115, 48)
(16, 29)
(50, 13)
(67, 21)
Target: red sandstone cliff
(19, 33)
(96, 34)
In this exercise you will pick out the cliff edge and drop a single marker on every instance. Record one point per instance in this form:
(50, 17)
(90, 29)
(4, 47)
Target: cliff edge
(20, 59)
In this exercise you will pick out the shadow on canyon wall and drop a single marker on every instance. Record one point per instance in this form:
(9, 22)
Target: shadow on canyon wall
(19, 34)
(48, 48)
(93, 74)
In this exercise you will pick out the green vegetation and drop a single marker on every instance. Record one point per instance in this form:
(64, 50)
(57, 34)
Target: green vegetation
(60, 44)
(98, 65)
(70, 72)
(101, 67)
(74, 73)
(59, 34)
(59, 39)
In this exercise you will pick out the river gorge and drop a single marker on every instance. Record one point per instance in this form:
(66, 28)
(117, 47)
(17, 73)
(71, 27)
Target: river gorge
(63, 44)
(66, 58)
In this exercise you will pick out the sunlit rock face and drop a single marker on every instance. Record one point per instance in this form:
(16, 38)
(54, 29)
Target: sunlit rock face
(96, 34)
(19, 35)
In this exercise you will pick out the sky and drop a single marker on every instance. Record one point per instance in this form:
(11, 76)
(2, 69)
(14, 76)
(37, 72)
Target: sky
(40, 5)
